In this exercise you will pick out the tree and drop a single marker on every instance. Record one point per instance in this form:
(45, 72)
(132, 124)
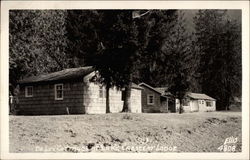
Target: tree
(118, 36)
(101, 39)
(178, 56)
(219, 42)
(129, 43)
(82, 28)
(36, 43)
(152, 66)
(51, 35)
(21, 23)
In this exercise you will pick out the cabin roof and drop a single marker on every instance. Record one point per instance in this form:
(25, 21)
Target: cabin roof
(136, 86)
(161, 89)
(70, 73)
(150, 87)
(199, 96)
(164, 91)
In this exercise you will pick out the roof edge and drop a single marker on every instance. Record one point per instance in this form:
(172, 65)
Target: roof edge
(150, 87)
(27, 81)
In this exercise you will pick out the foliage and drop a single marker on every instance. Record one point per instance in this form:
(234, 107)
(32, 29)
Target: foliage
(82, 38)
(154, 48)
(152, 68)
(219, 43)
(37, 43)
(178, 56)
(118, 35)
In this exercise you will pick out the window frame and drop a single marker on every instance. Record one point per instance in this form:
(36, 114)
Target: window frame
(26, 91)
(100, 92)
(186, 102)
(201, 101)
(55, 90)
(148, 99)
(211, 104)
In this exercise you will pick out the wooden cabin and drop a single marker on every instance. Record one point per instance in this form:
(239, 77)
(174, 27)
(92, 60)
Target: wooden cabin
(153, 100)
(71, 91)
(170, 98)
(197, 102)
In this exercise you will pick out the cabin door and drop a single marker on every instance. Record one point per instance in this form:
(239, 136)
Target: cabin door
(195, 106)
(164, 106)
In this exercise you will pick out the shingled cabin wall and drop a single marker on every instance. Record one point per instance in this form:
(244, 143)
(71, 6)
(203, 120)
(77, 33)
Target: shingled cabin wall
(96, 104)
(154, 108)
(136, 95)
(81, 94)
(43, 101)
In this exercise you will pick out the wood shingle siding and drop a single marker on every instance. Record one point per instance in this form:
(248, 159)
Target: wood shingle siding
(79, 94)
(197, 103)
(159, 103)
(150, 108)
(43, 100)
(95, 104)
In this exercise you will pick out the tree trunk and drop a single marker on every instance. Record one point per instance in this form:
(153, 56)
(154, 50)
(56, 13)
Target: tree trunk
(180, 109)
(227, 97)
(227, 103)
(226, 107)
(107, 99)
(127, 99)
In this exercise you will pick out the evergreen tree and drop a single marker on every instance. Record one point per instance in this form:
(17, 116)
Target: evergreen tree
(103, 39)
(178, 56)
(219, 42)
(152, 58)
(82, 36)
(118, 36)
(123, 42)
(36, 43)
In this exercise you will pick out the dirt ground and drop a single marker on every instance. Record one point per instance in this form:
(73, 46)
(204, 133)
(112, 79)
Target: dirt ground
(123, 132)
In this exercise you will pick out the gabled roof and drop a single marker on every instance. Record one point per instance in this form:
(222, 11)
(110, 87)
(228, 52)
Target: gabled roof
(199, 96)
(152, 88)
(136, 86)
(161, 89)
(164, 91)
(70, 73)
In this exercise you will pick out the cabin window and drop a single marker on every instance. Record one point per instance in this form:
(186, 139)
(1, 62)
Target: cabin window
(185, 102)
(29, 91)
(209, 104)
(150, 99)
(58, 91)
(101, 92)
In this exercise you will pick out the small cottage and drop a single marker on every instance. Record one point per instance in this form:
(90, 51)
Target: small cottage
(153, 100)
(71, 91)
(197, 102)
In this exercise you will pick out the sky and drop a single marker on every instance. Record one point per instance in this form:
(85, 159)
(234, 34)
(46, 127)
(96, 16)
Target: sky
(189, 15)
